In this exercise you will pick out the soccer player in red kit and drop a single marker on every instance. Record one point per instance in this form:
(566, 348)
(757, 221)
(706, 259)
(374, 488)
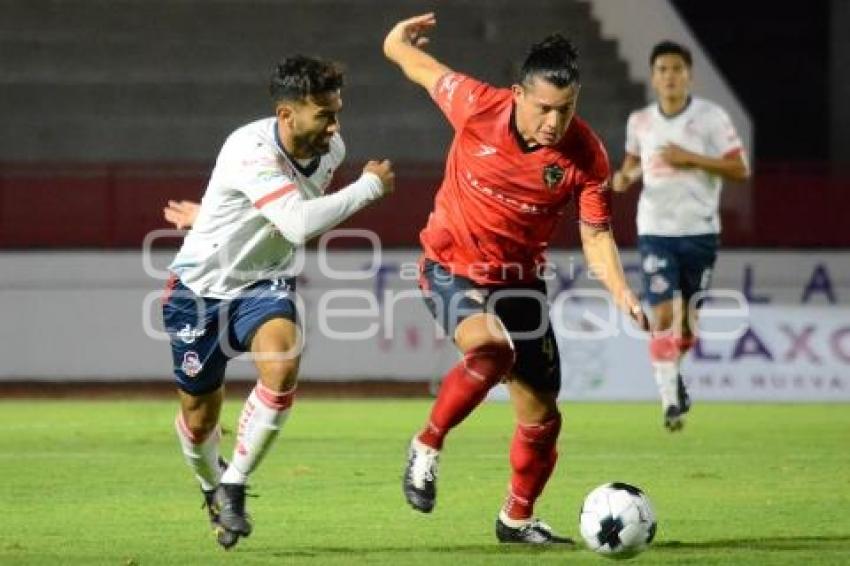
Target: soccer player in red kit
(519, 156)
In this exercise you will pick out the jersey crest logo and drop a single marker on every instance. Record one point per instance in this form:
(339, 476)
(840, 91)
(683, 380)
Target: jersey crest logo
(552, 175)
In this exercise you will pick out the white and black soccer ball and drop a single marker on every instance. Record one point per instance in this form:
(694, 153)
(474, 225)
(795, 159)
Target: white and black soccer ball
(617, 520)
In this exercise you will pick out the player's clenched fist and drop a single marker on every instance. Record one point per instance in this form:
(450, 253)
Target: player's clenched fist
(384, 170)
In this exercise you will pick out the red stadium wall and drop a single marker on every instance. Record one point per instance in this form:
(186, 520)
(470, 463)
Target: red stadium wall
(114, 206)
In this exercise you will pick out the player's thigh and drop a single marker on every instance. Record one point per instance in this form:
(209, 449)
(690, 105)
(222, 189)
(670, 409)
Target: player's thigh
(265, 322)
(195, 331)
(659, 268)
(275, 348)
(697, 256)
(460, 307)
(668, 314)
(260, 303)
(525, 314)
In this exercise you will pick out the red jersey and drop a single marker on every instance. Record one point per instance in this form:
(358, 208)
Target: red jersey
(500, 200)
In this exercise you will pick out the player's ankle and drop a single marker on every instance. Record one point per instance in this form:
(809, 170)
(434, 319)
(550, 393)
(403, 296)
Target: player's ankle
(233, 476)
(513, 522)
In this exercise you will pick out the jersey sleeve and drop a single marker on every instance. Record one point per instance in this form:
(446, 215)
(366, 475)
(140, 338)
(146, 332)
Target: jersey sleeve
(723, 136)
(594, 198)
(460, 96)
(632, 140)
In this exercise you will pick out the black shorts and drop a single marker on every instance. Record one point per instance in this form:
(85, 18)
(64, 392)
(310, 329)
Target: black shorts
(676, 264)
(523, 309)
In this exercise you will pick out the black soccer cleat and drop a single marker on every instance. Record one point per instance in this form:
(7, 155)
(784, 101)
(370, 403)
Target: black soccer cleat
(682, 395)
(674, 418)
(230, 498)
(535, 532)
(224, 537)
(420, 477)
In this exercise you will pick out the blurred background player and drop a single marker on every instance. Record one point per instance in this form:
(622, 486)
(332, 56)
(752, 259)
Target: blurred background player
(233, 288)
(518, 157)
(683, 147)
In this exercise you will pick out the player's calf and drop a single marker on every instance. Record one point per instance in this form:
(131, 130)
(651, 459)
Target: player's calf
(664, 353)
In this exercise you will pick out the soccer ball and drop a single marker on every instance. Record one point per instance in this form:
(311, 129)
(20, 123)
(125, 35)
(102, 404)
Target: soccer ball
(617, 520)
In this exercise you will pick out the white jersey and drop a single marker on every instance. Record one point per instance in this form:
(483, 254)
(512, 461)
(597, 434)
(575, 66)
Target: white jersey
(680, 201)
(255, 212)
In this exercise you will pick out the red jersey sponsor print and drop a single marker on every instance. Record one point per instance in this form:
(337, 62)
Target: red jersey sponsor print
(499, 200)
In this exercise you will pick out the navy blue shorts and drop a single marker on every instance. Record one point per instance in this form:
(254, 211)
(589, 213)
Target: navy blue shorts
(523, 309)
(672, 264)
(206, 333)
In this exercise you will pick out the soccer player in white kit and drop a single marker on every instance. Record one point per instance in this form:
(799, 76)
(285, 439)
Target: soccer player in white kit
(233, 283)
(684, 147)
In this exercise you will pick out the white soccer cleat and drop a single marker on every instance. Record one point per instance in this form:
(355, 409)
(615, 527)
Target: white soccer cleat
(420, 476)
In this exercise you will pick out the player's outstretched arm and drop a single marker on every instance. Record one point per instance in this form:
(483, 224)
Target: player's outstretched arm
(603, 261)
(628, 174)
(300, 220)
(403, 46)
(181, 213)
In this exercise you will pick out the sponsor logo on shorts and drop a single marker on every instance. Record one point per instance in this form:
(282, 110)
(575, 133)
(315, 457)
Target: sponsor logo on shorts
(188, 334)
(658, 283)
(653, 263)
(192, 365)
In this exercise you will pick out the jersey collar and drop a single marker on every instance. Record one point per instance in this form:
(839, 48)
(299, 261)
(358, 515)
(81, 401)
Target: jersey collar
(676, 114)
(305, 170)
(523, 145)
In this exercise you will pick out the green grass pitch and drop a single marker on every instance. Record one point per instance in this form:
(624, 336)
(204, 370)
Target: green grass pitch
(103, 483)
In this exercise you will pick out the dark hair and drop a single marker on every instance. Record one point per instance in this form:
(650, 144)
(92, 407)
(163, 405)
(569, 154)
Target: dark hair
(670, 48)
(554, 59)
(299, 77)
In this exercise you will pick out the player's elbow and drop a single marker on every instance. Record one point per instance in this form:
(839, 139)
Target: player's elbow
(292, 230)
(296, 237)
(594, 231)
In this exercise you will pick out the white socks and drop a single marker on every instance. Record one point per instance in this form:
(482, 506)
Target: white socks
(666, 374)
(202, 456)
(262, 417)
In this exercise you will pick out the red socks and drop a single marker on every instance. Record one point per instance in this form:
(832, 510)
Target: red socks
(464, 387)
(533, 457)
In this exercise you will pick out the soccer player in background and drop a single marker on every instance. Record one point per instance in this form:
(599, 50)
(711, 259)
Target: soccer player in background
(519, 155)
(233, 284)
(683, 147)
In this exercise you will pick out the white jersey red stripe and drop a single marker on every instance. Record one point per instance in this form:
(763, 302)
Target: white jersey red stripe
(275, 195)
(240, 235)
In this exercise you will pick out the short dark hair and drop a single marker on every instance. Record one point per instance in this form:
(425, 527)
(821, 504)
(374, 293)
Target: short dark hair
(670, 48)
(554, 59)
(298, 77)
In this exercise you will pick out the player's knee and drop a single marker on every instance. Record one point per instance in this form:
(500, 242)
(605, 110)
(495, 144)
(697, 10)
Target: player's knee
(490, 362)
(278, 374)
(200, 427)
(685, 343)
(664, 316)
(663, 348)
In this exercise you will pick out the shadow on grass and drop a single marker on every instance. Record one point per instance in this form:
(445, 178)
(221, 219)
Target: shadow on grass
(765, 544)
(470, 549)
